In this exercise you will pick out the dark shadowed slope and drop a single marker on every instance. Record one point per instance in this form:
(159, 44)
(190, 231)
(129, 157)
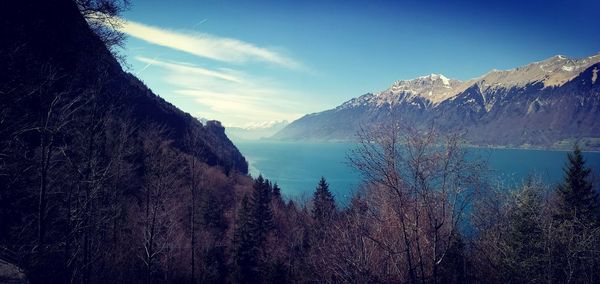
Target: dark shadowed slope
(47, 46)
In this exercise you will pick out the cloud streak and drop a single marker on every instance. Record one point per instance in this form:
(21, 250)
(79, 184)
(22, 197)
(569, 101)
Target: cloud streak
(188, 69)
(208, 46)
(232, 96)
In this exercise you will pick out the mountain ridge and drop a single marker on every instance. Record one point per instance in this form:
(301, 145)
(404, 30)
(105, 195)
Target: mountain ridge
(256, 131)
(77, 59)
(521, 101)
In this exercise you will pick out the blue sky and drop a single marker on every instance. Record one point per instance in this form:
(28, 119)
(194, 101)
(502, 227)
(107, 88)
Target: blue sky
(249, 62)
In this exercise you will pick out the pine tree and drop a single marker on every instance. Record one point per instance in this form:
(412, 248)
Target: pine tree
(255, 220)
(577, 198)
(525, 239)
(576, 220)
(276, 192)
(261, 209)
(323, 204)
(212, 213)
(246, 247)
(453, 268)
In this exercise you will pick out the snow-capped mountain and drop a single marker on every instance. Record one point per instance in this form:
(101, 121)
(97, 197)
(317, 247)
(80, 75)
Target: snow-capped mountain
(427, 89)
(549, 103)
(255, 131)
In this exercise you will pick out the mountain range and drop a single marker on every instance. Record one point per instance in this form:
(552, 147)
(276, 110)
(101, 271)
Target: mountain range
(255, 131)
(546, 104)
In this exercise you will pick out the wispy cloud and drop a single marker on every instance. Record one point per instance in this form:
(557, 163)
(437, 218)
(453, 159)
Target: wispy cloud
(234, 97)
(208, 46)
(187, 68)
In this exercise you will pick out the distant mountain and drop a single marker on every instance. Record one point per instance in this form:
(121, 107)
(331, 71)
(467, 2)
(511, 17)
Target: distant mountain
(256, 131)
(549, 103)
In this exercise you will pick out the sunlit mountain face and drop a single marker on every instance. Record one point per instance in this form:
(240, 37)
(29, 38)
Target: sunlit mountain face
(549, 104)
(250, 64)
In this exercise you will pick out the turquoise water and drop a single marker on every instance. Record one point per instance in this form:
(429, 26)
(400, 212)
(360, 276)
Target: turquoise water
(297, 167)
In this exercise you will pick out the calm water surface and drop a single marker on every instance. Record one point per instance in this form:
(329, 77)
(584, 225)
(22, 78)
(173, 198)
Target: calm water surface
(297, 167)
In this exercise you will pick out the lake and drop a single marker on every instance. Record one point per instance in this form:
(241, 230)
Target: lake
(298, 166)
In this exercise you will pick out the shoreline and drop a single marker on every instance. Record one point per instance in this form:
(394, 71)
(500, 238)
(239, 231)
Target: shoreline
(500, 147)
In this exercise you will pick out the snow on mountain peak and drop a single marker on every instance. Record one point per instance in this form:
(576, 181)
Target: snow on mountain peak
(552, 72)
(433, 87)
(434, 77)
(445, 80)
(436, 88)
(265, 124)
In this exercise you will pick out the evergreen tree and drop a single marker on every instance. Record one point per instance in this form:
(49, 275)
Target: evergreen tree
(323, 204)
(246, 248)
(576, 196)
(524, 243)
(453, 268)
(215, 265)
(258, 221)
(212, 213)
(276, 192)
(577, 221)
(262, 220)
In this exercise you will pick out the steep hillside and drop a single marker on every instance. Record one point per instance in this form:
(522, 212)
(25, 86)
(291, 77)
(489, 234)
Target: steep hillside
(49, 42)
(550, 103)
(97, 173)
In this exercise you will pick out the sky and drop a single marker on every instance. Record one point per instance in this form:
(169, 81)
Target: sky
(247, 63)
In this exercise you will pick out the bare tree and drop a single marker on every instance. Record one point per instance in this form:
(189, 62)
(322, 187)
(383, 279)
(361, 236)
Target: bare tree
(56, 108)
(423, 179)
(162, 181)
(103, 18)
(195, 146)
(96, 170)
